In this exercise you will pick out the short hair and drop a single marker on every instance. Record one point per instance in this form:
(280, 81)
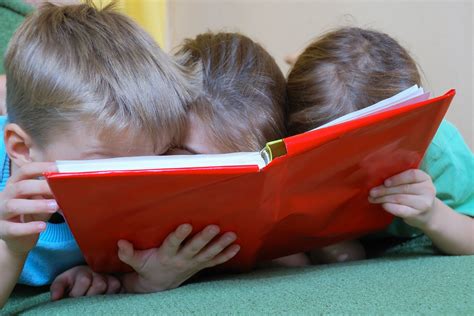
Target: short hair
(343, 71)
(79, 63)
(243, 95)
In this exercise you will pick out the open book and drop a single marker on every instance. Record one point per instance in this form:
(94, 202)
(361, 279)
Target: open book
(260, 159)
(298, 193)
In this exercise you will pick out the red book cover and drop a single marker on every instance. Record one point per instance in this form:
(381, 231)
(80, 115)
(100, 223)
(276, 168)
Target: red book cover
(313, 195)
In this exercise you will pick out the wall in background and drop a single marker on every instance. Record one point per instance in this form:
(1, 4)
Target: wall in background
(150, 14)
(439, 34)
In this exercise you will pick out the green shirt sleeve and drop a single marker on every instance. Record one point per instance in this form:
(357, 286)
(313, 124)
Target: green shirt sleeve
(450, 163)
(12, 14)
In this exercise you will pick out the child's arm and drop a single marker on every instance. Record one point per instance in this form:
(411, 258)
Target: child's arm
(21, 220)
(11, 267)
(451, 231)
(82, 281)
(173, 263)
(411, 195)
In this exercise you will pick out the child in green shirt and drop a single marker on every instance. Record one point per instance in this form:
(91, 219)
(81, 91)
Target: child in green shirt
(352, 68)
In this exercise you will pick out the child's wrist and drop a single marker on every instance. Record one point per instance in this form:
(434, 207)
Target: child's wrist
(19, 256)
(134, 283)
(14, 258)
(434, 218)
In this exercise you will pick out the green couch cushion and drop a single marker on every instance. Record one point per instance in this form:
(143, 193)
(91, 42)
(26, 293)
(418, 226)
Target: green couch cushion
(408, 279)
(12, 14)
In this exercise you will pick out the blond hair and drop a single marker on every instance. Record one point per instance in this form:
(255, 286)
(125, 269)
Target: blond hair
(79, 63)
(243, 97)
(343, 71)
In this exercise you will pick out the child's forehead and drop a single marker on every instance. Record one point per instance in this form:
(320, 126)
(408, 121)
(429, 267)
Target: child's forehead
(131, 143)
(90, 140)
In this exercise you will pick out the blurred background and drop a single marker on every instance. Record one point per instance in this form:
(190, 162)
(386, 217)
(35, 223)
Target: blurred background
(438, 34)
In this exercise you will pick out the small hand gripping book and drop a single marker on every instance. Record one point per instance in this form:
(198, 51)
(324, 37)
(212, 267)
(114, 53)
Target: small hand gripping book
(296, 194)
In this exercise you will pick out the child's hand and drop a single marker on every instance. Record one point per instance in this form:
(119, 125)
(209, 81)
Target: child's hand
(25, 204)
(410, 195)
(173, 263)
(82, 281)
(291, 58)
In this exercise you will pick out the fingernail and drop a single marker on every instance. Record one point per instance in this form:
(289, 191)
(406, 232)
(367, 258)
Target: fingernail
(53, 205)
(186, 228)
(237, 249)
(41, 226)
(373, 192)
(214, 230)
(230, 237)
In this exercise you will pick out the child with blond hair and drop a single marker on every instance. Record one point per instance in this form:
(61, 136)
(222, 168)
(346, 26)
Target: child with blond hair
(84, 83)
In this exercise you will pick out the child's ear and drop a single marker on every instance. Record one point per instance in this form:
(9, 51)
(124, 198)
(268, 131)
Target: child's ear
(18, 144)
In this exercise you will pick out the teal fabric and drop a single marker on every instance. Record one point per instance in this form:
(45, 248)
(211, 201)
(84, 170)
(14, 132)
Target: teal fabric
(4, 161)
(56, 250)
(450, 163)
(409, 279)
(12, 14)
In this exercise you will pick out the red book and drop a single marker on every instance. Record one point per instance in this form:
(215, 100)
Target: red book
(308, 191)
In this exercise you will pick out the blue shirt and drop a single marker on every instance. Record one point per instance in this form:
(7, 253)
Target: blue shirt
(56, 250)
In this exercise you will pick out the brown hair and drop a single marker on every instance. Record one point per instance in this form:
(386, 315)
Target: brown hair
(343, 71)
(78, 63)
(243, 97)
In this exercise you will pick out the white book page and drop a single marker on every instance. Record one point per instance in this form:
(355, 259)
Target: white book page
(162, 162)
(406, 97)
(409, 96)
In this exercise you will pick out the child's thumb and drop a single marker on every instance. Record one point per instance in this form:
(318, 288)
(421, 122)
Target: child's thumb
(126, 253)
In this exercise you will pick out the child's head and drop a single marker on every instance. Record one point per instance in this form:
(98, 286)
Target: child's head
(242, 104)
(344, 71)
(88, 83)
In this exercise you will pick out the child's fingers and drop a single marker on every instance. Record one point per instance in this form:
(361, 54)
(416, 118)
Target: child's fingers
(98, 285)
(82, 283)
(33, 170)
(224, 256)
(199, 241)
(415, 189)
(407, 177)
(17, 207)
(59, 286)
(128, 255)
(216, 248)
(401, 211)
(57, 291)
(126, 252)
(113, 284)
(29, 188)
(14, 230)
(414, 201)
(173, 242)
(291, 59)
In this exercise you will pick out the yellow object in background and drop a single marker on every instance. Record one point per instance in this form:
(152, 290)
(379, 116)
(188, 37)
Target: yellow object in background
(149, 14)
